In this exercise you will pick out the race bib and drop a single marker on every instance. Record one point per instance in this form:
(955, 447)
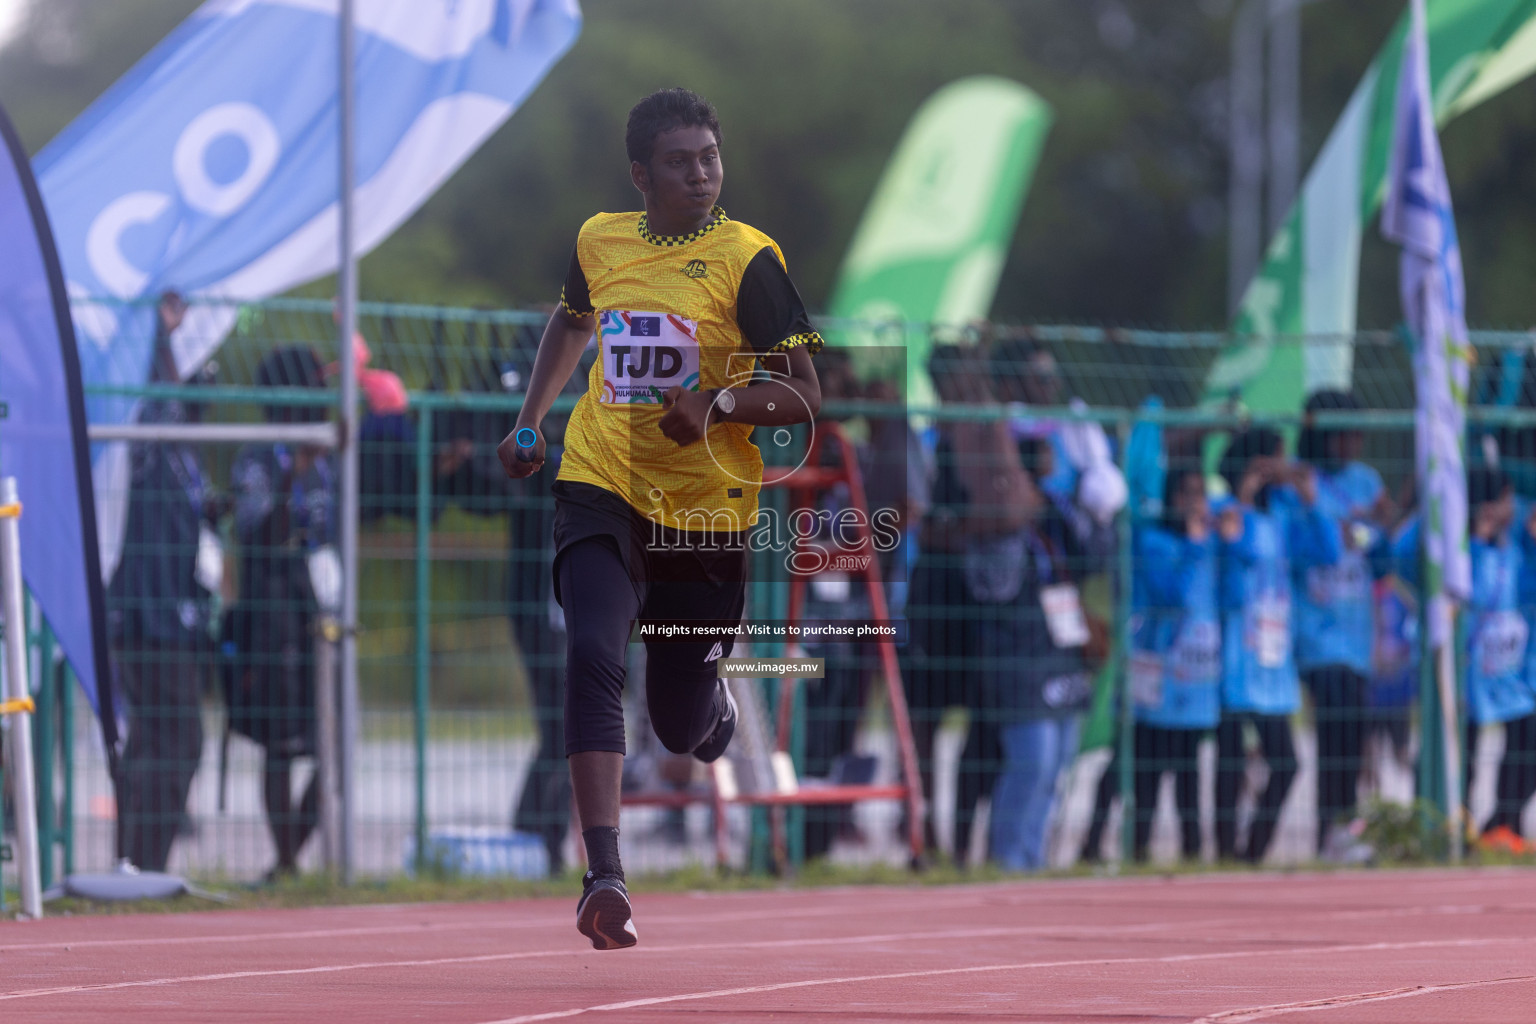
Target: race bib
(644, 354)
(1500, 644)
(1346, 581)
(1146, 679)
(1269, 630)
(1196, 653)
(1064, 615)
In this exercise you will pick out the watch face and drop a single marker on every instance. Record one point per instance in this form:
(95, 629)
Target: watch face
(727, 401)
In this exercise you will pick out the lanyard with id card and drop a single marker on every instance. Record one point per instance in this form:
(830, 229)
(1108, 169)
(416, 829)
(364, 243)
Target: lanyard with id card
(1064, 615)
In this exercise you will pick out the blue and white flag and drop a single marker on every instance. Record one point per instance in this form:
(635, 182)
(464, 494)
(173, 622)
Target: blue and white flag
(42, 429)
(212, 166)
(1417, 216)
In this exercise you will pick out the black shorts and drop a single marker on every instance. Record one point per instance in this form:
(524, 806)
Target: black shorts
(652, 553)
(626, 569)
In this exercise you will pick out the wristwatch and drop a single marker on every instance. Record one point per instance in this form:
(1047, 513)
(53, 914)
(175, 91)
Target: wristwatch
(725, 402)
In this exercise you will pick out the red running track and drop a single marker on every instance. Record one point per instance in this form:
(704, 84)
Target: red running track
(1443, 946)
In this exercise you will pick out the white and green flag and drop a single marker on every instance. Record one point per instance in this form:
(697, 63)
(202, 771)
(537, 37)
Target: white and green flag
(936, 233)
(1309, 281)
(1418, 216)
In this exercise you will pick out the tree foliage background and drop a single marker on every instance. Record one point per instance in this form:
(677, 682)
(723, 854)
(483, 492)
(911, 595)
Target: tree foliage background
(1125, 224)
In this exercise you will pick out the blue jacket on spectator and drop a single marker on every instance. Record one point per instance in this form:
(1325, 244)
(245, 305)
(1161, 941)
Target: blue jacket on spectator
(1497, 681)
(1334, 602)
(1176, 631)
(1258, 666)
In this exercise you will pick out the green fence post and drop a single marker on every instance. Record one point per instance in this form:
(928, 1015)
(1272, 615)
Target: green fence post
(423, 620)
(760, 590)
(795, 814)
(44, 729)
(1120, 656)
(67, 764)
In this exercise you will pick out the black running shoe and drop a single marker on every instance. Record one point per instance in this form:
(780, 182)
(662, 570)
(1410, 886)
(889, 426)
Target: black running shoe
(603, 914)
(715, 743)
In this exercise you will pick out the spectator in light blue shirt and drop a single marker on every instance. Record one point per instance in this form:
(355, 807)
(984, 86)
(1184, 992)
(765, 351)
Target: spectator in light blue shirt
(1335, 616)
(1175, 656)
(1498, 687)
(1270, 523)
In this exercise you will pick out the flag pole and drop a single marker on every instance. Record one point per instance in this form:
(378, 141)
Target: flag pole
(1445, 676)
(347, 294)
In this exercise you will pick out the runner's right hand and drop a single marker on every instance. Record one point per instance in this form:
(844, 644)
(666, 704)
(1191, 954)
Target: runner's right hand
(521, 461)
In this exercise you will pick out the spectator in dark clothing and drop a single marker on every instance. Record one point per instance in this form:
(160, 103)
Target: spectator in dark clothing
(159, 622)
(285, 521)
(538, 624)
(937, 664)
(467, 474)
(470, 475)
(1032, 638)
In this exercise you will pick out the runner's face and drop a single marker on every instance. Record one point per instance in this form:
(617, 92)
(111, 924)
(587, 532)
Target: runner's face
(682, 181)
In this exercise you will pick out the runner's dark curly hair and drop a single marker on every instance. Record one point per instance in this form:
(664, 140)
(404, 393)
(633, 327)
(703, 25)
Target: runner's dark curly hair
(664, 111)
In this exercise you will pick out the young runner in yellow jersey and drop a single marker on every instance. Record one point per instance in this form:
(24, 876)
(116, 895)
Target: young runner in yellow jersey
(659, 480)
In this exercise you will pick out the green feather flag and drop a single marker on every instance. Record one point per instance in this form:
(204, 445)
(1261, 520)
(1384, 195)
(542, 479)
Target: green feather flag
(936, 233)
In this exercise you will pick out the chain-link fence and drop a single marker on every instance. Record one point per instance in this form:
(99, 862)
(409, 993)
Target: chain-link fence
(1098, 606)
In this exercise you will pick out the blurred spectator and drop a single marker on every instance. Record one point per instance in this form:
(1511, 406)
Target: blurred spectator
(285, 520)
(1500, 688)
(470, 475)
(938, 662)
(1032, 637)
(1335, 619)
(1270, 524)
(159, 620)
(1175, 656)
(544, 807)
(1082, 471)
(1491, 505)
(386, 438)
(1148, 455)
(833, 704)
(1076, 472)
(1025, 371)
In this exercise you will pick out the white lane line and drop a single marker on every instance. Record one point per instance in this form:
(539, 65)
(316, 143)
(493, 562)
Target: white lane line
(550, 922)
(948, 934)
(944, 935)
(994, 968)
(1344, 1002)
(906, 936)
(525, 924)
(318, 933)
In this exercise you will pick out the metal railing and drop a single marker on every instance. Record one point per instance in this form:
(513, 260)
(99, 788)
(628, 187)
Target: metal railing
(453, 655)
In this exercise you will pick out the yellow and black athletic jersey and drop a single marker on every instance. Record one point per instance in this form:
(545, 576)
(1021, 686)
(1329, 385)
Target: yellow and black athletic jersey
(693, 310)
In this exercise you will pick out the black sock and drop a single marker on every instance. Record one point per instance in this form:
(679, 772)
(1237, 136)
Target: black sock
(603, 851)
